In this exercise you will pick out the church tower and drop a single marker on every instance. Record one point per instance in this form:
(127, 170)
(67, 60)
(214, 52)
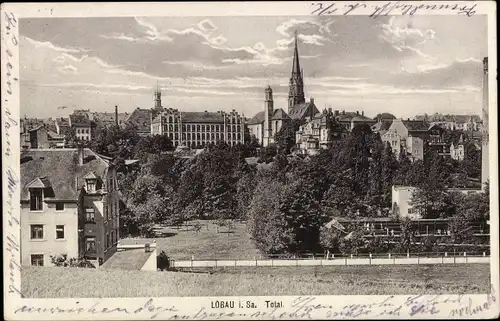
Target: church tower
(157, 97)
(485, 134)
(296, 84)
(268, 114)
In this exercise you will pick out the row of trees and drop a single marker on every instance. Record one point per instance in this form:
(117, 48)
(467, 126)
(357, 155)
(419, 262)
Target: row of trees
(285, 204)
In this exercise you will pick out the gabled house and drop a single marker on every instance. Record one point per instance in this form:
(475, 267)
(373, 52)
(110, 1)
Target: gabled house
(69, 205)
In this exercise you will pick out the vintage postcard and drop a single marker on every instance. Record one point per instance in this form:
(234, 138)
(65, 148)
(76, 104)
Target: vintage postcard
(244, 160)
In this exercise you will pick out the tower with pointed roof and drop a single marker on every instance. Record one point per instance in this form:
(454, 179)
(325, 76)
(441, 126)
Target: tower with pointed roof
(268, 114)
(157, 97)
(296, 84)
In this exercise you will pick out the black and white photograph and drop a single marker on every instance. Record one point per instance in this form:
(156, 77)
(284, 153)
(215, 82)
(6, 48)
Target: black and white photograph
(206, 155)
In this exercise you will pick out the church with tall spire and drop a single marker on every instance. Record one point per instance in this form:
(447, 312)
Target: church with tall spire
(266, 123)
(296, 84)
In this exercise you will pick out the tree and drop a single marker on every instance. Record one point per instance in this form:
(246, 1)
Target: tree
(156, 144)
(269, 229)
(329, 238)
(285, 137)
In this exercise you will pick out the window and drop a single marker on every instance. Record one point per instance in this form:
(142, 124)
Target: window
(107, 240)
(89, 215)
(37, 259)
(106, 210)
(112, 237)
(59, 206)
(91, 185)
(90, 244)
(59, 232)
(37, 232)
(36, 200)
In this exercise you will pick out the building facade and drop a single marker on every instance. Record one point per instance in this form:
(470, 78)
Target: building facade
(69, 205)
(401, 202)
(198, 129)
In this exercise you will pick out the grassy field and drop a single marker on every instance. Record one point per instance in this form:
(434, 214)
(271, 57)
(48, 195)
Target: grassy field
(46, 282)
(206, 244)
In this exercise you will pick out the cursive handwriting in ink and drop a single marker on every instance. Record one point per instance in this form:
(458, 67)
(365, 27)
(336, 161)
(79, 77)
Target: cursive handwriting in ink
(471, 309)
(9, 41)
(391, 7)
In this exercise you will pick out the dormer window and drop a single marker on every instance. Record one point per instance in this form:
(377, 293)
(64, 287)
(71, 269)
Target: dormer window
(36, 199)
(36, 188)
(91, 185)
(90, 182)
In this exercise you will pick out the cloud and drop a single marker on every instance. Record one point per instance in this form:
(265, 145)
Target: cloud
(51, 46)
(406, 38)
(69, 68)
(207, 25)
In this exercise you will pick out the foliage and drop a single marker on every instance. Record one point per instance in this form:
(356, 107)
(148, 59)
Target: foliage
(266, 154)
(285, 137)
(63, 261)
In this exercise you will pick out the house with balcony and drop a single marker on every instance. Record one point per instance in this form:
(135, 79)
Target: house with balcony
(69, 205)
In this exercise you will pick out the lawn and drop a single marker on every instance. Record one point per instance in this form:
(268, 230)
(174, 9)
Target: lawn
(47, 282)
(183, 244)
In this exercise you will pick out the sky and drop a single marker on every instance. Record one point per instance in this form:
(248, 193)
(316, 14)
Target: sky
(404, 65)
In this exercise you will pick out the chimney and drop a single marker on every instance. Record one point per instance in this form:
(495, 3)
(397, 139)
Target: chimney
(362, 113)
(343, 112)
(80, 155)
(116, 115)
(337, 112)
(312, 100)
(357, 112)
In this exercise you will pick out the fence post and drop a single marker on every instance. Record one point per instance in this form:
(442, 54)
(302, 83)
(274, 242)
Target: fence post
(418, 259)
(272, 262)
(370, 259)
(255, 260)
(215, 262)
(346, 260)
(484, 253)
(351, 256)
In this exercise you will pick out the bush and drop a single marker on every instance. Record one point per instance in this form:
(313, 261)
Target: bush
(163, 261)
(63, 261)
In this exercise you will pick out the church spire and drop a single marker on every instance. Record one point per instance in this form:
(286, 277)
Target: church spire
(296, 64)
(296, 84)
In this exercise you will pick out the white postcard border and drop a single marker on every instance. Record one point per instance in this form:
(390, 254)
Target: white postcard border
(317, 307)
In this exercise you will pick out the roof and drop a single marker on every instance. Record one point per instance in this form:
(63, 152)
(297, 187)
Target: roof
(81, 120)
(59, 169)
(62, 121)
(346, 116)
(362, 118)
(416, 125)
(280, 114)
(140, 118)
(382, 126)
(128, 260)
(257, 119)
(202, 117)
(449, 118)
(298, 111)
(108, 118)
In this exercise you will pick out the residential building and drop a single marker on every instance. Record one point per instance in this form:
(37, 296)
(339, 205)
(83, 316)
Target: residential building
(69, 205)
(319, 133)
(83, 125)
(265, 124)
(457, 150)
(140, 118)
(351, 119)
(413, 136)
(382, 126)
(41, 137)
(453, 122)
(105, 119)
